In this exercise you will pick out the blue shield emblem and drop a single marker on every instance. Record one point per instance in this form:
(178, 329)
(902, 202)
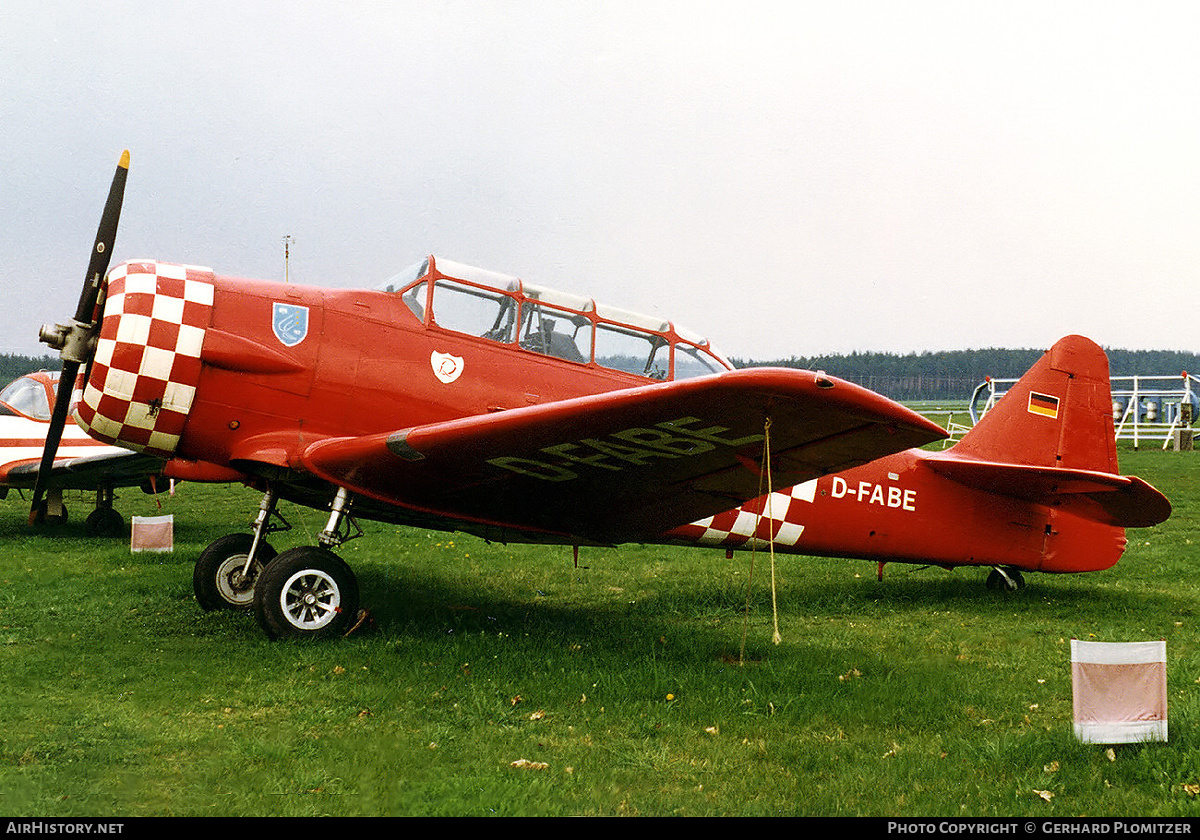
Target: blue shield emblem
(290, 323)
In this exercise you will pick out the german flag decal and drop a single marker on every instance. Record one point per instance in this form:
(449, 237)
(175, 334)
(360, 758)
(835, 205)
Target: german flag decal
(1043, 404)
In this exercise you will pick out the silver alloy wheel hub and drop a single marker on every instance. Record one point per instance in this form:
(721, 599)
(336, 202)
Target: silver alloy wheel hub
(235, 587)
(310, 599)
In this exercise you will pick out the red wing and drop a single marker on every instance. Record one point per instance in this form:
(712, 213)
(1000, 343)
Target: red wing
(626, 465)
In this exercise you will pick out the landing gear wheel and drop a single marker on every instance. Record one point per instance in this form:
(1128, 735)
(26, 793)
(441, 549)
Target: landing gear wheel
(1009, 580)
(218, 579)
(306, 592)
(41, 516)
(104, 522)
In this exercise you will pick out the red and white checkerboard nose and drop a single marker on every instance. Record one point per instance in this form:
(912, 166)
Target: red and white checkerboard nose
(147, 364)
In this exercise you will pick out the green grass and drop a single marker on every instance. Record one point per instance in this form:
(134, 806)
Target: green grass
(923, 695)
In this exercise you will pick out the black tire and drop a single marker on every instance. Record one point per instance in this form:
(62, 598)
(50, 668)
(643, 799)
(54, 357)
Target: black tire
(104, 522)
(217, 577)
(306, 592)
(41, 517)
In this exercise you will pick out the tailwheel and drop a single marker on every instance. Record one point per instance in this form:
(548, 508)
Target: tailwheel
(220, 578)
(1007, 580)
(306, 592)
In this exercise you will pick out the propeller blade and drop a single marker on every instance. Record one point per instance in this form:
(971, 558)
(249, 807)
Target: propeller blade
(105, 237)
(75, 340)
(58, 420)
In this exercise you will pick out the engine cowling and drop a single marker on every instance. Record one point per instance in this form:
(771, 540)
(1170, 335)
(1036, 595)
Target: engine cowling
(142, 379)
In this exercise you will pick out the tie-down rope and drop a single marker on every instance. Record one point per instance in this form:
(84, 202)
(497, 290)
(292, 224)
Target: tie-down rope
(764, 474)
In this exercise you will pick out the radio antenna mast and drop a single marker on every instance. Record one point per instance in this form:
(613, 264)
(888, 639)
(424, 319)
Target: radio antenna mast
(287, 242)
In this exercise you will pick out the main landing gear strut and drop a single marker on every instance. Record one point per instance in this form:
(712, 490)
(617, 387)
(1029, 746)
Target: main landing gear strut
(306, 591)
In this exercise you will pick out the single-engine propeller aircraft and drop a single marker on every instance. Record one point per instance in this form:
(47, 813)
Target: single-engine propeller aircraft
(81, 463)
(456, 399)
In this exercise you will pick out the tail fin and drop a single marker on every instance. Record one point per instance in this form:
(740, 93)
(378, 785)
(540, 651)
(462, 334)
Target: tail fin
(1058, 415)
(1050, 440)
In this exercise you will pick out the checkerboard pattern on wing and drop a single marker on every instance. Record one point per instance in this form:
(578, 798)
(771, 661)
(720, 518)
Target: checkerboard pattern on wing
(778, 517)
(147, 362)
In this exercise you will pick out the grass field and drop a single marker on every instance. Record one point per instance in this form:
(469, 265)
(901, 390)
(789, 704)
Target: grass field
(617, 683)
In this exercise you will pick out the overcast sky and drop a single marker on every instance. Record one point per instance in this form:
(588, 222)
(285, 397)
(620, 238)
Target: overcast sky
(791, 178)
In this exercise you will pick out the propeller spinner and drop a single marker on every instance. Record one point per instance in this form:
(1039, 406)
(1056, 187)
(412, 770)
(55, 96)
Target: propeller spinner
(76, 341)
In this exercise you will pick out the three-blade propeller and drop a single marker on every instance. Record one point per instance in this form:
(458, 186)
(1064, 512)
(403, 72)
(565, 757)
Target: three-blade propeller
(76, 341)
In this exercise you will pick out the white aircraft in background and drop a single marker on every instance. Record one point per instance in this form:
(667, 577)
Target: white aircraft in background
(81, 462)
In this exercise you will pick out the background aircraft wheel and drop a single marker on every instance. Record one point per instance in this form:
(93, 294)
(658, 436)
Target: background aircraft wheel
(41, 517)
(217, 578)
(104, 522)
(306, 591)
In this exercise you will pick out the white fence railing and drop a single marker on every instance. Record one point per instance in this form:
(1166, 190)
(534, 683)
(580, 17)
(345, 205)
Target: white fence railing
(1145, 408)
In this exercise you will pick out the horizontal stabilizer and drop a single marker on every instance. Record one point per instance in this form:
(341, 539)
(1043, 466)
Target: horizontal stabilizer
(1118, 500)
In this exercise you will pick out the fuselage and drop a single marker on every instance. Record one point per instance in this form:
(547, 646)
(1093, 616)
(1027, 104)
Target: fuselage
(897, 509)
(367, 364)
(244, 374)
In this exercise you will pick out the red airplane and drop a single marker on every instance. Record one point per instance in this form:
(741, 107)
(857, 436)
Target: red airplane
(456, 399)
(81, 463)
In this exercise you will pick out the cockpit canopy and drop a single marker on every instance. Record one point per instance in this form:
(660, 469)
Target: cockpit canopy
(29, 396)
(505, 309)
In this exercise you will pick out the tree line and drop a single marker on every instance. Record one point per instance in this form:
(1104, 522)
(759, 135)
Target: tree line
(954, 374)
(12, 366)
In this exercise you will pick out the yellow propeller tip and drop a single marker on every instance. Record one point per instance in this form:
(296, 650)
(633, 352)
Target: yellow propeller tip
(124, 159)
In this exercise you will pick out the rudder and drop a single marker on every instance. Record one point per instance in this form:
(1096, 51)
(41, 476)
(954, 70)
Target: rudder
(1059, 414)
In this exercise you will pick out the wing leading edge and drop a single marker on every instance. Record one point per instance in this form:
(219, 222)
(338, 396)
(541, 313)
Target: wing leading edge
(87, 472)
(626, 465)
